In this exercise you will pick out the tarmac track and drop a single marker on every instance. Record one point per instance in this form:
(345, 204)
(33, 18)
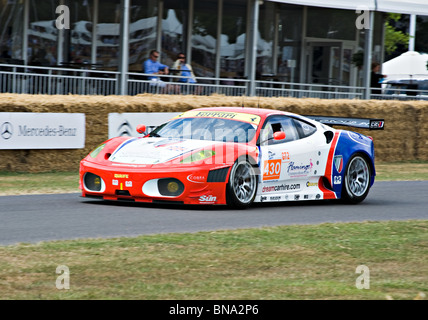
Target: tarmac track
(35, 218)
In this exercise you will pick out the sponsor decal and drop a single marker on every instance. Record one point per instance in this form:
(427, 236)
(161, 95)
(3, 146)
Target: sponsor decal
(176, 148)
(272, 169)
(338, 163)
(318, 196)
(196, 178)
(121, 176)
(282, 187)
(167, 143)
(306, 127)
(377, 124)
(115, 182)
(251, 118)
(299, 170)
(263, 198)
(337, 180)
(225, 115)
(357, 138)
(128, 184)
(312, 184)
(285, 156)
(306, 197)
(207, 199)
(271, 155)
(296, 197)
(276, 198)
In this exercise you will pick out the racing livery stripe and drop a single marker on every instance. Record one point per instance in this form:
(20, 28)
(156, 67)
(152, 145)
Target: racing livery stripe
(122, 145)
(329, 167)
(327, 194)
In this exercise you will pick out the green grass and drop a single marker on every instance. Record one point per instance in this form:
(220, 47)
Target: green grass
(279, 263)
(415, 170)
(30, 183)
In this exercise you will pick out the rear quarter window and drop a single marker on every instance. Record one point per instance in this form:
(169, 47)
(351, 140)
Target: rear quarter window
(304, 128)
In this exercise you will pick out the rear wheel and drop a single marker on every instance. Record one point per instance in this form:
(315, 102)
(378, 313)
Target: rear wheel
(357, 180)
(242, 186)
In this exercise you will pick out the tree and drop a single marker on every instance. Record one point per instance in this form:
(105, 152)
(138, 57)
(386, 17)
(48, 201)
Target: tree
(393, 36)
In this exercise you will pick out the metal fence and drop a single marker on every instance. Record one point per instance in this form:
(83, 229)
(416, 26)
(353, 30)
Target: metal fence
(86, 81)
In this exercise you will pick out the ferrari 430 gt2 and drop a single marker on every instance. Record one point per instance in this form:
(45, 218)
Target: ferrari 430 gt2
(235, 156)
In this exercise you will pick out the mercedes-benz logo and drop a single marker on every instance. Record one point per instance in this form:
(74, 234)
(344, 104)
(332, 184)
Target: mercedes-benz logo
(6, 130)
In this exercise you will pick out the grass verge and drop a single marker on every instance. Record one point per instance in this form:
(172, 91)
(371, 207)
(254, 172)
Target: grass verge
(279, 263)
(287, 262)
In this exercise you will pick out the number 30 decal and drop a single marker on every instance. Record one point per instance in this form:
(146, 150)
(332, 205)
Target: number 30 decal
(272, 169)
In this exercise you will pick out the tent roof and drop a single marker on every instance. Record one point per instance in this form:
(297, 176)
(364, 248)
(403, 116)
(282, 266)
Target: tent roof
(418, 7)
(410, 64)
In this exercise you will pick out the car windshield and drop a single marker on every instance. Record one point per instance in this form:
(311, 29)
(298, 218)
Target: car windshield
(213, 129)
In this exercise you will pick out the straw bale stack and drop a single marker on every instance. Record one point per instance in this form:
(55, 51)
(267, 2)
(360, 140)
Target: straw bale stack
(404, 137)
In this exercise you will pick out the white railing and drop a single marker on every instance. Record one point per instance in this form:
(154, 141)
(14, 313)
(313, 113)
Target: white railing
(87, 81)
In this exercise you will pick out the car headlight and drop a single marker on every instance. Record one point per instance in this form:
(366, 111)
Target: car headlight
(198, 156)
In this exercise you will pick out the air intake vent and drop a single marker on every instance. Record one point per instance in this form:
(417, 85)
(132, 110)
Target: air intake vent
(329, 136)
(122, 193)
(218, 175)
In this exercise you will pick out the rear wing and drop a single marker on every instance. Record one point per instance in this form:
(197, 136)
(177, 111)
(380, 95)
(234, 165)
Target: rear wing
(371, 124)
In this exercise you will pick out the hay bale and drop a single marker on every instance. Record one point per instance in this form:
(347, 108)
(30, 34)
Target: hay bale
(404, 137)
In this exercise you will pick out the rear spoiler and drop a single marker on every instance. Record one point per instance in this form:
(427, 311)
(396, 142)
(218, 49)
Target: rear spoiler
(371, 124)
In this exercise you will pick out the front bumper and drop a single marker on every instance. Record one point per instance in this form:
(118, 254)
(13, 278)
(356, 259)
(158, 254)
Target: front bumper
(205, 185)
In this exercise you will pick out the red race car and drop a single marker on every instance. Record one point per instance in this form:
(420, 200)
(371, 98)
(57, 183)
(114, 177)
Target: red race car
(235, 156)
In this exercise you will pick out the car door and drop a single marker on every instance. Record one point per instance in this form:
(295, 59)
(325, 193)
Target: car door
(290, 165)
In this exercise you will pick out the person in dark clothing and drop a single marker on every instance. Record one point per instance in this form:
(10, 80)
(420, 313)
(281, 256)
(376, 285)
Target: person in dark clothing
(376, 78)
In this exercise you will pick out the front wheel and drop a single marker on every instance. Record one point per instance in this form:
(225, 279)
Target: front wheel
(357, 180)
(242, 186)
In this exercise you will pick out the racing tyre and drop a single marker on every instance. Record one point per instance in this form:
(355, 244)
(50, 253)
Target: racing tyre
(357, 180)
(242, 186)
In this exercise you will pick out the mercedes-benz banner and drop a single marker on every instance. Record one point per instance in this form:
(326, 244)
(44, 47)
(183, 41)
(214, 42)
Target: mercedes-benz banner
(27, 130)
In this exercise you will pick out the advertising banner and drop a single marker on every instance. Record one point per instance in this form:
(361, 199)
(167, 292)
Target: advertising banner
(125, 124)
(27, 130)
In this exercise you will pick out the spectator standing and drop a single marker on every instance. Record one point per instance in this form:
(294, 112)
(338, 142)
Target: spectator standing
(376, 78)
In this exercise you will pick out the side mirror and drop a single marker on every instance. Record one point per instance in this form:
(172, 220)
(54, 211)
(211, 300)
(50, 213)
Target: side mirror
(141, 128)
(279, 135)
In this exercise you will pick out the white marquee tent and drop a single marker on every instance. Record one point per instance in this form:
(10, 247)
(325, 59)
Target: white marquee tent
(410, 64)
(418, 7)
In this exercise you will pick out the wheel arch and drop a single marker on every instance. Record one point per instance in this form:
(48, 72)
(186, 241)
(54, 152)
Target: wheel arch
(232, 199)
(369, 160)
(344, 196)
